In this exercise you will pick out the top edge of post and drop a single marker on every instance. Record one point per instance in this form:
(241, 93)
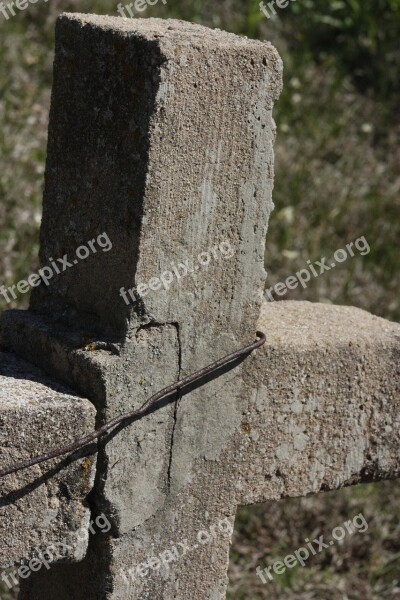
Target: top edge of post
(156, 28)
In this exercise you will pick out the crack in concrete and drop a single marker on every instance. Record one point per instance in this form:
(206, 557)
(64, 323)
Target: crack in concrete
(176, 403)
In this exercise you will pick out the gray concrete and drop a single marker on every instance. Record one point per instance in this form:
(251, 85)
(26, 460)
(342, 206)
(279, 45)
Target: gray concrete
(158, 128)
(190, 108)
(161, 136)
(324, 414)
(43, 505)
(135, 463)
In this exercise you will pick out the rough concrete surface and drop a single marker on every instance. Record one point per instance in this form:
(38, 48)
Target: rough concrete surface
(161, 135)
(133, 466)
(45, 504)
(325, 414)
(171, 155)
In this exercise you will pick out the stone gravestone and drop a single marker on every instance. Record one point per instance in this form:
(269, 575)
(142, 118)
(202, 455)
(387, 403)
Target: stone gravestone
(161, 138)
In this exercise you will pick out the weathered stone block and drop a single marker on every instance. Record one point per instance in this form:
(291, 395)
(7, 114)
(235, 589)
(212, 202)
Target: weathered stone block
(116, 380)
(160, 135)
(43, 505)
(159, 128)
(325, 414)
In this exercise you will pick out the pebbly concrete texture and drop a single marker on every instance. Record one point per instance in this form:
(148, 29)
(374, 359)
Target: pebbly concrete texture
(43, 505)
(134, 463)
(158, 128)
(160, 135)
(325, 414)
(170, 156)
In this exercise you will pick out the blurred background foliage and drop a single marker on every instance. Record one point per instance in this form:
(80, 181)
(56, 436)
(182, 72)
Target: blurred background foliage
(360, 36)
(337, 178)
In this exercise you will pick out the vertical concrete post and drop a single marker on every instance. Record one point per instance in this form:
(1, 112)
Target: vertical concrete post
(160, 139)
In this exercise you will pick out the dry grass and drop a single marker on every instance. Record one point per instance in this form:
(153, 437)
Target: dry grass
(365, 566)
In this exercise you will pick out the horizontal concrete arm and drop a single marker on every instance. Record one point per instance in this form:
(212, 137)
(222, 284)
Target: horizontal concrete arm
(327, 412)
(44, 505)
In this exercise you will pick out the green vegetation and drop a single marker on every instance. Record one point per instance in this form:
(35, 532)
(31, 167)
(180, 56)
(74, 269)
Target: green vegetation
(364, 566)
(360, 36)
(337, 178)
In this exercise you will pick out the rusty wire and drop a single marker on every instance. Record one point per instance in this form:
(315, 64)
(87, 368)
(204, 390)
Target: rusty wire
(113, 423)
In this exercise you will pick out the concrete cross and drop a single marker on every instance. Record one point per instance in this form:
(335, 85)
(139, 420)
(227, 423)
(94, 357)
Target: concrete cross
(160, 141)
